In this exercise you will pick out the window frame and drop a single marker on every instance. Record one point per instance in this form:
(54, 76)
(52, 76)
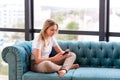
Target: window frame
(103, 32)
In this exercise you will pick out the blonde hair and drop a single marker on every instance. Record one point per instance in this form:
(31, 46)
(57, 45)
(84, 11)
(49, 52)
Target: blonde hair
(42, 36)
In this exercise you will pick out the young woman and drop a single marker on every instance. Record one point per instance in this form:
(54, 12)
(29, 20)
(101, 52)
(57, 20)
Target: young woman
(42, 46)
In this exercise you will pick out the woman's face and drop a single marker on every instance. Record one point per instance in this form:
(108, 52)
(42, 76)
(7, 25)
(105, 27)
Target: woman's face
(51, 30)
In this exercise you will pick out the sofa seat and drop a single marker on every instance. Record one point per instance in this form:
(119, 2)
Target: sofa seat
(96, 74)
(82, 73)
(42, 76)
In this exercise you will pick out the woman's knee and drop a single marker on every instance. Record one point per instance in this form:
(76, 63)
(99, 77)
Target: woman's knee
(46, 63)
(73, 54)
(50, 67)
(44, 66)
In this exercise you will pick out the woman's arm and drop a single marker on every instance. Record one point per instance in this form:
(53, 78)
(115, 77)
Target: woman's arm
(58, 49)
(55, 58)
(36, 54)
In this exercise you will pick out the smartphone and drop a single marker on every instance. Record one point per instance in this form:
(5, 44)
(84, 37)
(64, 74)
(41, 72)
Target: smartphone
(66, 52)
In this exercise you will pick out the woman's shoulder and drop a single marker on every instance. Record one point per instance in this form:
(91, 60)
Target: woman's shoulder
(37, 40)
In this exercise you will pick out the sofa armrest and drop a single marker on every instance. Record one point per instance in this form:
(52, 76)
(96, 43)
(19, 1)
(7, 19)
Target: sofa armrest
(18, 61)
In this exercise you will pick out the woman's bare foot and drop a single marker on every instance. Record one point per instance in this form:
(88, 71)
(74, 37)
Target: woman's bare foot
(61, 73)
(75, 66)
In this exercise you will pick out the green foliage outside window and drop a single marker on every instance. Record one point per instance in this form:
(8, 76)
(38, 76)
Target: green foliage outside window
(72, 26)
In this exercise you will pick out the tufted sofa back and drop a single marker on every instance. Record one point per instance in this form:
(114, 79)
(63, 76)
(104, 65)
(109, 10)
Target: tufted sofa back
(89, 54)
(94, 54)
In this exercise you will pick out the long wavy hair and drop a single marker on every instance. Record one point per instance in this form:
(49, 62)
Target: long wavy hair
(42, 35)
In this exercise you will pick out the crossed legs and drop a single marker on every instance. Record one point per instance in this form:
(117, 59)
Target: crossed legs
(60, 67)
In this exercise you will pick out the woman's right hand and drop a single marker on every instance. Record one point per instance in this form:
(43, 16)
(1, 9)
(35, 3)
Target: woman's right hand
(59, 57)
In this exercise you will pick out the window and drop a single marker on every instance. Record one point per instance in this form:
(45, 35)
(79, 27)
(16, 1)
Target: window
(82, 15)
(73, 37)
(12, 14)
(77, 37)
(114, 15)
(115, 39)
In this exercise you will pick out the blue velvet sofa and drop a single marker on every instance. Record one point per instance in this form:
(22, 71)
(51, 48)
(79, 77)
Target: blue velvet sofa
(97, 60)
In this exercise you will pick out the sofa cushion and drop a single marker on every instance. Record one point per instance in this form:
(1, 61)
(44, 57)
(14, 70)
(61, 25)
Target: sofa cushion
(96, 74)
(44, 76)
